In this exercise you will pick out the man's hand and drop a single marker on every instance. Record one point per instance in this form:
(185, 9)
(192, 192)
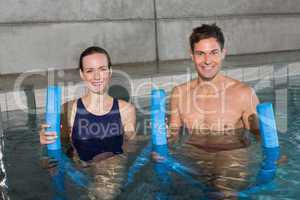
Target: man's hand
(156, 157)
(282, 160)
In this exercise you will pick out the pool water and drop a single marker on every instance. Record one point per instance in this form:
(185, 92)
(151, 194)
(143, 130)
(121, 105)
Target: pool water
(26, 179)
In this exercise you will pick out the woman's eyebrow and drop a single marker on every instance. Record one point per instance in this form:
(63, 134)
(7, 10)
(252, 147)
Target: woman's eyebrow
(98, 67)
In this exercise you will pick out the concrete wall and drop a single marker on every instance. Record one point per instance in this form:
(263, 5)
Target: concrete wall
(42, 34)
(58, 45)
(243, 35)
(18, 11)
(214, 8)
(250, 26)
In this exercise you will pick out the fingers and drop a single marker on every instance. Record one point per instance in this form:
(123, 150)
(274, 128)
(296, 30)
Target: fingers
(44, 126)
(47, 137)
(48, 163)
(156, 157)
(51, 165)
(283, 159)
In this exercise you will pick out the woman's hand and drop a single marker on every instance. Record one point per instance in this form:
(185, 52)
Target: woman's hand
(47, 137)
(50, 164)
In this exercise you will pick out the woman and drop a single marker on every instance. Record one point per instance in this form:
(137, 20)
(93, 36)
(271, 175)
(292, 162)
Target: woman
(95, 124)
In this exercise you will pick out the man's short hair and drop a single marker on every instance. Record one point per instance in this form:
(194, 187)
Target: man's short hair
(204, 32)
(92, 50)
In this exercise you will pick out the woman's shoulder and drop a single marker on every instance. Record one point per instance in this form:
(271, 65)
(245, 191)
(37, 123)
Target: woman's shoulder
(124, 104)
(69, 109)
(126, 107)
(68, 105)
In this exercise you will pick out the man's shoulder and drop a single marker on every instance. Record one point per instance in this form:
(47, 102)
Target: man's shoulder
(185, 86)
(239, 86)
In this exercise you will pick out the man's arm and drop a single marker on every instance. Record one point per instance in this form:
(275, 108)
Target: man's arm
(250, 118)
(175, 122)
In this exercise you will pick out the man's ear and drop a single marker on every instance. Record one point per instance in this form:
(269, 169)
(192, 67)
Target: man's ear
(191, 54)
(224, 53)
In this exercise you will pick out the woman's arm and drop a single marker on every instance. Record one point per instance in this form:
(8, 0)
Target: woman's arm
(128, 117)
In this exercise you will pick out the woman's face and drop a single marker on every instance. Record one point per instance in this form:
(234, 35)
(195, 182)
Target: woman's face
(96, 73)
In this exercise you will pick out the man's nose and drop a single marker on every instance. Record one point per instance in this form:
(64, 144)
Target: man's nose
(207, 59)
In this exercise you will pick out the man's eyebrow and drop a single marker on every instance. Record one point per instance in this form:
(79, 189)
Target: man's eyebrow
(199, 51)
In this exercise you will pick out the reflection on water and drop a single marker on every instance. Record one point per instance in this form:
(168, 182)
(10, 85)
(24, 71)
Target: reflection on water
(3, 186)
(223, 171)
(239, 170)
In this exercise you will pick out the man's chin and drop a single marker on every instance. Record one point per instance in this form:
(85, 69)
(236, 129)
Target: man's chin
(207, 77)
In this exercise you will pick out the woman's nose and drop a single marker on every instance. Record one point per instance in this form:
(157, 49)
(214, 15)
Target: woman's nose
(97, 74)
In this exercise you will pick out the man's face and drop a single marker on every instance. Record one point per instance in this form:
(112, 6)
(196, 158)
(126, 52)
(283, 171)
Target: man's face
(208, 57)
(96, 73)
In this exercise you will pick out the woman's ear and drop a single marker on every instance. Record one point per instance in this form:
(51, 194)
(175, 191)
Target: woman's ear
(110, 72)
(81, 74)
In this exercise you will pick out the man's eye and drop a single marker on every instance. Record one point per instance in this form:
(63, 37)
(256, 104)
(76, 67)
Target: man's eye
(215, 53)
(199, 53)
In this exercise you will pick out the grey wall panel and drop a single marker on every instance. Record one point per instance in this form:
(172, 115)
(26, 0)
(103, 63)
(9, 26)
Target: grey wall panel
(117, 9)
(13, 11)
(43, 46)
(38, 10)
(204, 8)
(243, 35)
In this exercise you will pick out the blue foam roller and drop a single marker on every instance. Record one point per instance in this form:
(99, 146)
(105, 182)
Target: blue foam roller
(270, 148)
(271, 155)
(266, 174)
(65, 165)
(53, 114)
(267, 125)
(58, 178)
(158, 113)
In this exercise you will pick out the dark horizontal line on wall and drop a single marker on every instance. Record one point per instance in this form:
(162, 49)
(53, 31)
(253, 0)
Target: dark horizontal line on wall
(21, 23)
(228, 17)
(184, 18)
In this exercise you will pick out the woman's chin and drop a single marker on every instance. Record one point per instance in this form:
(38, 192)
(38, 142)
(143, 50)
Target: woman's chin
(96, 90)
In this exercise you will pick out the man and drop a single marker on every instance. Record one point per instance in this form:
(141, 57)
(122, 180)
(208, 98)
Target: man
(215, 109)
(212, 101)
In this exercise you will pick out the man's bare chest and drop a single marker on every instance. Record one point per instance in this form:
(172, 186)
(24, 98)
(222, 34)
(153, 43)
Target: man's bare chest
(211, 113)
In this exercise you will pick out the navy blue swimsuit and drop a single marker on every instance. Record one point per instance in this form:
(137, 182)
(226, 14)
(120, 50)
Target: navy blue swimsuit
(93, 134)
